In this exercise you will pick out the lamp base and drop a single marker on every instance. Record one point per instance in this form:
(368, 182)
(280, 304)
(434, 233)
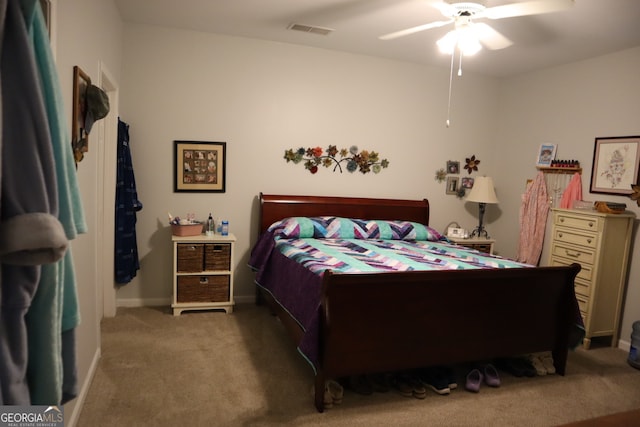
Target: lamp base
(479, 232)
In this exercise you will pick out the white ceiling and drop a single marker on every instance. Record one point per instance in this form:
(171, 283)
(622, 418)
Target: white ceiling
(590, 28)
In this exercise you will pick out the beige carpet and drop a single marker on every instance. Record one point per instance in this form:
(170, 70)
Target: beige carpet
(241, 369)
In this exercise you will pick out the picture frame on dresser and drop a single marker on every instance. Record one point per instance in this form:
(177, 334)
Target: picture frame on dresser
(546, 154)
(199, 166)
(616, 163)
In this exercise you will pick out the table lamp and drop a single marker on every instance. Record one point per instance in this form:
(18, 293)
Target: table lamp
(482, 193)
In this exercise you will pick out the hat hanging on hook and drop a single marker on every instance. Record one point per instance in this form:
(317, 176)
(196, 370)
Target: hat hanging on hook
(96, 106)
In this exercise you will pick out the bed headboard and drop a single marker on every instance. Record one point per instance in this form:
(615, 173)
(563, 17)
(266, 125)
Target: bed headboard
(276, 207)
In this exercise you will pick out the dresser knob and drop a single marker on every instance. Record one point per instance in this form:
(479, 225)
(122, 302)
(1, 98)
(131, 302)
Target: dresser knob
(588, 240)
(561, 219)
(559, 234)
(590, 224)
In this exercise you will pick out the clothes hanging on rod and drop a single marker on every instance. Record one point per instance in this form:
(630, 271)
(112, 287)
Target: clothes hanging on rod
(127, 204)
(533, 221)
(572, 192)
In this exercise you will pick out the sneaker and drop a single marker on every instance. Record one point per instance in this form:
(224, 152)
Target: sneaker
(410, 386)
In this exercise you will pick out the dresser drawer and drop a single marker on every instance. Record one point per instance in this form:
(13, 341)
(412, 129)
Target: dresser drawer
(190, 257)
(203, 288)
(217, 257)
(582, 288)
(583, 303)
(576, 237)
(592, 224)
(585, 273)
(582, 255)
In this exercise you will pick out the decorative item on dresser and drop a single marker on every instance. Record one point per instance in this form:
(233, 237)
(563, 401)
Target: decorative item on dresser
(600, 242)
(202, 273)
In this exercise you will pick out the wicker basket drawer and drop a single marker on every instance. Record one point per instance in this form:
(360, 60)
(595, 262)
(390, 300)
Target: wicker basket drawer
(203, 289)
(190, 257)
(217, 256)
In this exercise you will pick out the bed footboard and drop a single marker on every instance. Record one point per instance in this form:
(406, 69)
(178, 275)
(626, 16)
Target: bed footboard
(388, 322)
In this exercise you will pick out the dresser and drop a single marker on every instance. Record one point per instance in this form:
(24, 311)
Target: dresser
(203, 273)
(600, 243)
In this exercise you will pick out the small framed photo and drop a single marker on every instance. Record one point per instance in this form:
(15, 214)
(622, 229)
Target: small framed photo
(546, 154)
(199, 166)
(453, 167)
(616, 161)
(467, 183)
(452, 185)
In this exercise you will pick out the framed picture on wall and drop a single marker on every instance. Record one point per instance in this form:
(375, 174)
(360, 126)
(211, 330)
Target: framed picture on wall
(616, 161)
(199, 166)
(453, 167)
(79, 137)
(467, 183)
(546, 154)
(452, 185)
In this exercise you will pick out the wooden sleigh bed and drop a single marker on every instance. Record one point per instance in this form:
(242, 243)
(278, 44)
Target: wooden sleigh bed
(384, 322)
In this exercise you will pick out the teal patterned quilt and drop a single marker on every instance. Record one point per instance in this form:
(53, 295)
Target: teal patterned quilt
(347, 245)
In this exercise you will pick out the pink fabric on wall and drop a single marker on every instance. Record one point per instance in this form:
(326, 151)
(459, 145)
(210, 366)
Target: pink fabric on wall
(572, 192)
(533, 221)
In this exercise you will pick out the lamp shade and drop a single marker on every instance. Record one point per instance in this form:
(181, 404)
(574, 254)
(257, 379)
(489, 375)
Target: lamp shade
(482, 191)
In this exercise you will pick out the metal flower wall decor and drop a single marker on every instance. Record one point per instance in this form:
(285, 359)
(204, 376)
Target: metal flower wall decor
(353, 160)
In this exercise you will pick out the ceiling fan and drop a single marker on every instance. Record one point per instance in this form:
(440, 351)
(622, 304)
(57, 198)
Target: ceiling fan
(463, 14)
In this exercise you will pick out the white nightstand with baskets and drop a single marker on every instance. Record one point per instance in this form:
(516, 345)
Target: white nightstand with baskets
(202, 273)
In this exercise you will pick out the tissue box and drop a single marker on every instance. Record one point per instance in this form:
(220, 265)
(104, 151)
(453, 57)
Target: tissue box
(187, 230)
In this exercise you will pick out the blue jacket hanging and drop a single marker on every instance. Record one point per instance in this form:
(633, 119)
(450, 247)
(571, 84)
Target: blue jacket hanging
(127, 204)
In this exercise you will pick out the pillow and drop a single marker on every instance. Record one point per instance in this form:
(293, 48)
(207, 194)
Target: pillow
(331, 227)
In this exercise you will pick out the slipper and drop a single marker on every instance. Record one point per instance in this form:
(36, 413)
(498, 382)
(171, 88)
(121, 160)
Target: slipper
(335, 391)
(327, 399)
(491, 377)
(536, 361)
(547, 361)
(474, 379)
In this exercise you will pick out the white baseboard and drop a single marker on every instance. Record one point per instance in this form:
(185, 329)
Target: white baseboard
(154, 302)
(624, 345)
(78, 402)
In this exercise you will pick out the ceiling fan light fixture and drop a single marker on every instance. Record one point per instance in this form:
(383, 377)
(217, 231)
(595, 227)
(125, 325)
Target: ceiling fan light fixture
(464, 40)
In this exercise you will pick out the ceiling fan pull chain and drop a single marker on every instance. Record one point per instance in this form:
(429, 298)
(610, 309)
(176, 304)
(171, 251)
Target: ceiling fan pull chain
(450, 84)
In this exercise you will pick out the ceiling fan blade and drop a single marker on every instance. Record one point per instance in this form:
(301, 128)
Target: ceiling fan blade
(414, 30)
(535, 7)
(489, 37)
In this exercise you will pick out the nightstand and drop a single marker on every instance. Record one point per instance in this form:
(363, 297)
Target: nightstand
(479, 243)
(203, 273)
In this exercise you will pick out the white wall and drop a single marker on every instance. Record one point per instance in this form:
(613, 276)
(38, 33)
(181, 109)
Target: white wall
(89, 34)
(569, 105)
(262, 98)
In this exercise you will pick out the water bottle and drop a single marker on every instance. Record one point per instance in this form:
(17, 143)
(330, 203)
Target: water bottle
(225, 228)
(210, 226)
